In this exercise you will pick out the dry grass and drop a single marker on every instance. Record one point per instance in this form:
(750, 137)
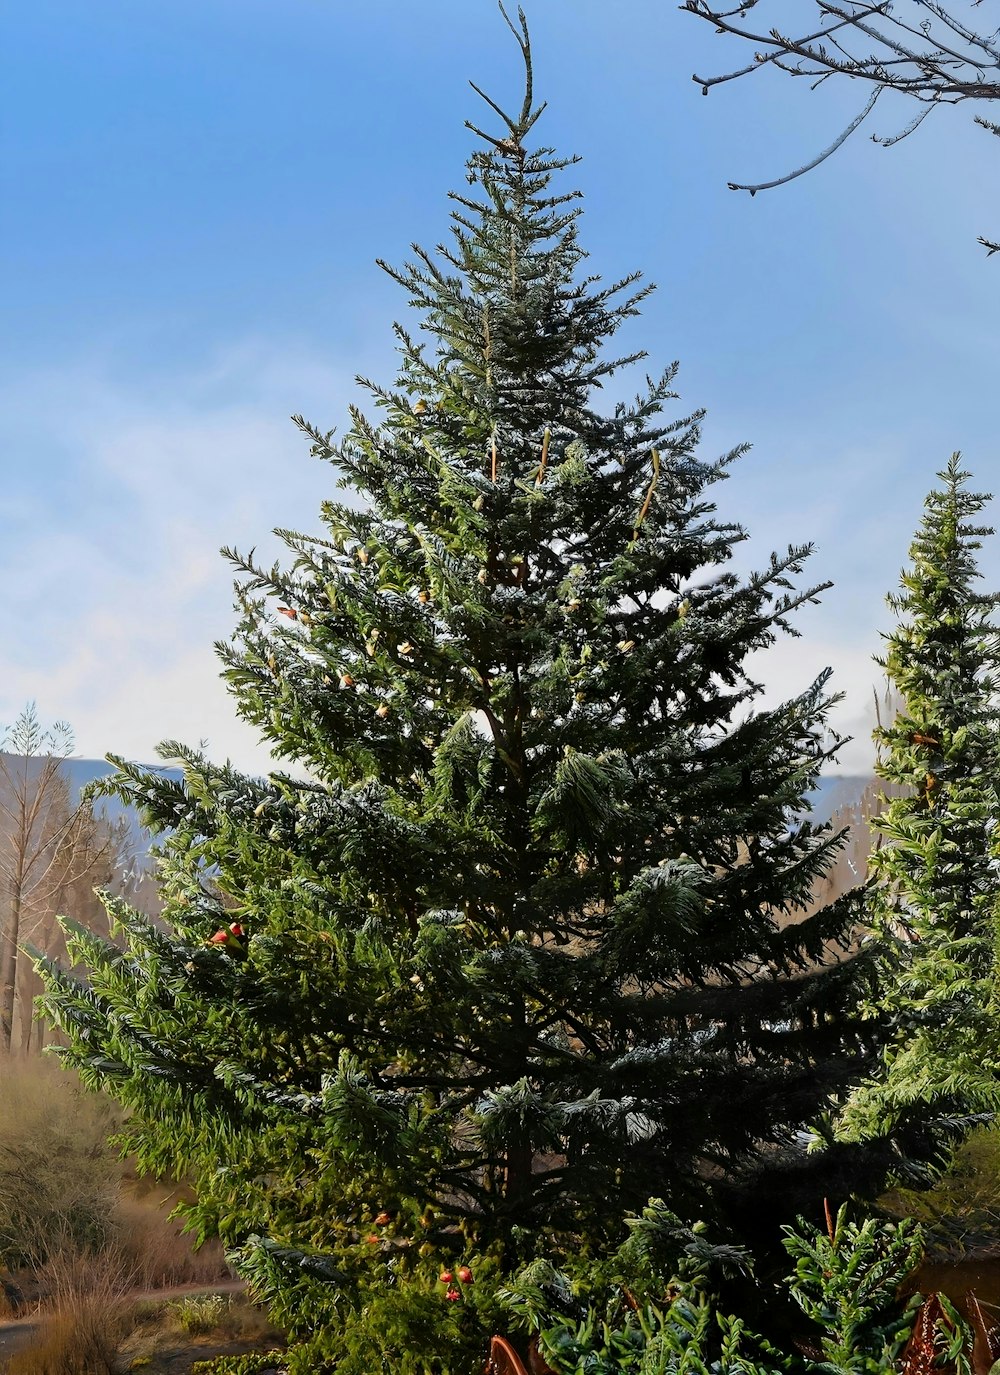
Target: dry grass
(88, 1316)
(85, 1239)
(65, 1193)
(159, 1250)
(203, 1325)
(59, 1178)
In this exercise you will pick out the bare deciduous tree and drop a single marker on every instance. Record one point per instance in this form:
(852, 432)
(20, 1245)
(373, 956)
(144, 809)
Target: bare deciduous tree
(918, 48)
(50, 847)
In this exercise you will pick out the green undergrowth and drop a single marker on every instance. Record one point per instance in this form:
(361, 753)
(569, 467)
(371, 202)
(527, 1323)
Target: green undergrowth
(654, 1306)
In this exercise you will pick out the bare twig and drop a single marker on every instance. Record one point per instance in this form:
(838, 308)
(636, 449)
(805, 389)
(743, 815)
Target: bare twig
(815, 162)
(917, 48)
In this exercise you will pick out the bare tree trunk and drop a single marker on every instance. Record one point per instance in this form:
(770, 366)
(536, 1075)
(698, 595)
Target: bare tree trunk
(8, 972)
(28, 987)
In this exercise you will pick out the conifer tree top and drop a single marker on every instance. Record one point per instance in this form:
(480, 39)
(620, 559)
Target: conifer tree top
(934, 899)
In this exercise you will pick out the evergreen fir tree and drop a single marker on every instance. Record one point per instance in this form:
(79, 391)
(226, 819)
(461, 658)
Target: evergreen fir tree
(934, 899)
(519, 939)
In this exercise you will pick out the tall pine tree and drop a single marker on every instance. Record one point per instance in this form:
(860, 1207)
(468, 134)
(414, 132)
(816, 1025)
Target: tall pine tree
(936, 879)
(517, 940)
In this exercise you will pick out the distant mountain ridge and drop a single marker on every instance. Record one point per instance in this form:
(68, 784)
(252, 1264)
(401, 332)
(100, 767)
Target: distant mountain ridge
(80, 772)
(831, 794)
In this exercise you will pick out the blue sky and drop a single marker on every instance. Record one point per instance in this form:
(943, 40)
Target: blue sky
(192, 196)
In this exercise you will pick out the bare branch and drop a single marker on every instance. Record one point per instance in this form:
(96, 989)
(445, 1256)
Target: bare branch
(935, 68)
(760, 59)
(808, 167)
(917, 48)
(888, 140)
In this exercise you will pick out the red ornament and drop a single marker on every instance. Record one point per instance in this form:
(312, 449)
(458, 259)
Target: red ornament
(236, 929)
(453, 1296)
(446, 1277)
(220, 937)
(465, 1274)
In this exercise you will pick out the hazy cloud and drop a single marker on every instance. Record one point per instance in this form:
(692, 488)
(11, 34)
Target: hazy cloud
(116, 592)
(115, 589)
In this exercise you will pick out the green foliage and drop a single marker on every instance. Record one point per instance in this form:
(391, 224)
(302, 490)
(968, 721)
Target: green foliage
(648, 1307)
(960, 1213)
(952, 1339)
(522, 940)
(249, 1363)
(397, 1319)
(846, 1281)
(200, 1313)
(663, 1313)
(933, 905)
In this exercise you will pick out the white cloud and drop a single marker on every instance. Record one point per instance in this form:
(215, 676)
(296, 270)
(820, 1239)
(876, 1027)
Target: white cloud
(791, 665)
(115, 591)
(120, 494)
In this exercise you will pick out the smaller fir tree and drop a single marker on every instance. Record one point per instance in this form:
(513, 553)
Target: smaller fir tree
(934, 896)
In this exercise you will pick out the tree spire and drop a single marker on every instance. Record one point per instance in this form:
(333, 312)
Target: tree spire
(518, 130)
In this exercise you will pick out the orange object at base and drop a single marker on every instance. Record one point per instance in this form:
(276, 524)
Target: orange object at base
(504, 1360)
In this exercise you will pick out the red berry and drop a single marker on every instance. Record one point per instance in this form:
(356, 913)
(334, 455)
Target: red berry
(446, 1277)
(453, 1296)
(465, 1275)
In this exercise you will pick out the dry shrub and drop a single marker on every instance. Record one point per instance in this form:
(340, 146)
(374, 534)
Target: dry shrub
(159, 1250)
(88, 1317)
(11, 1299)
(59, 1177)
(64, 1188)
(244, 1321)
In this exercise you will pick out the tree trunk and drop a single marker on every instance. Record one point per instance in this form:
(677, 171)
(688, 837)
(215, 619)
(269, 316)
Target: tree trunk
(8, 972)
